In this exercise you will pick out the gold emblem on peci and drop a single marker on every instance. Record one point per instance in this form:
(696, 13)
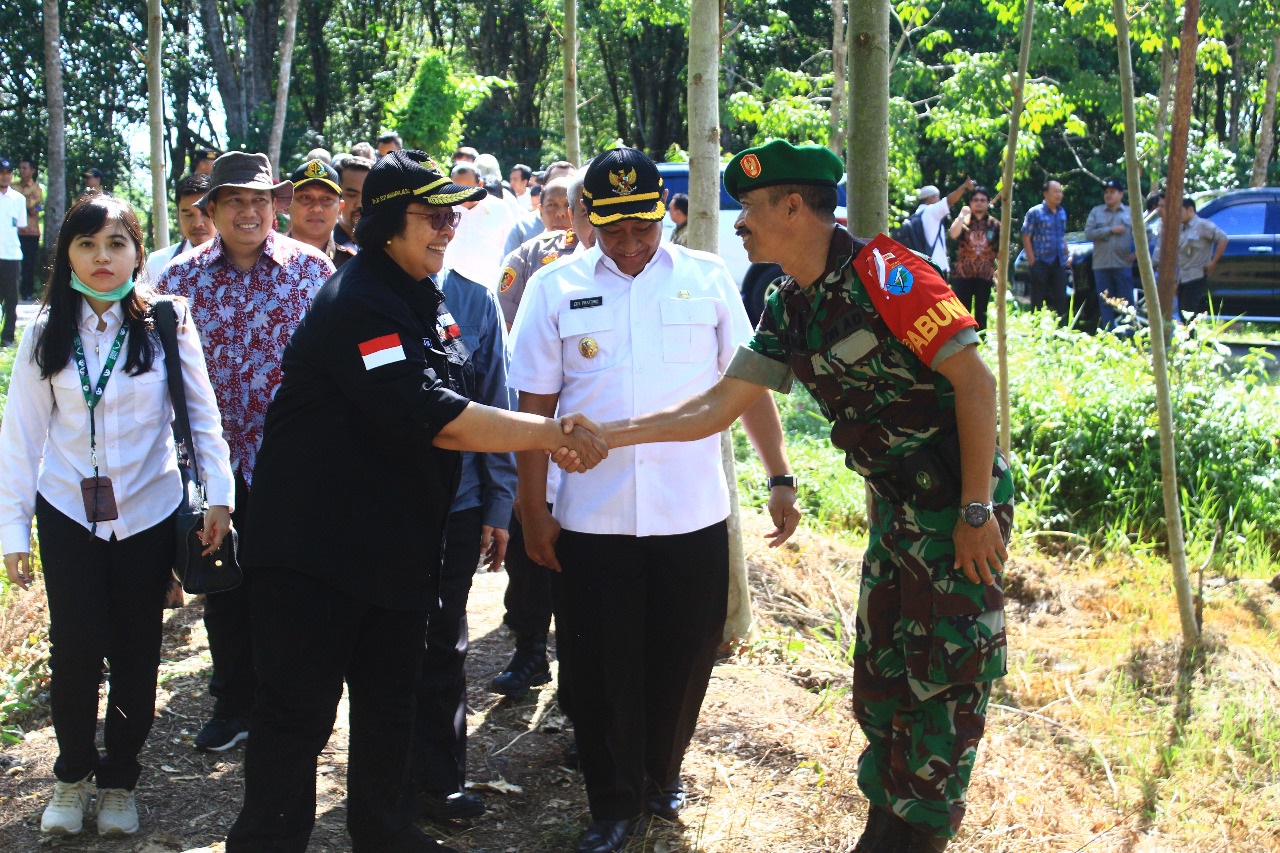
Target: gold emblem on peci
(588, 347)
(624, 183)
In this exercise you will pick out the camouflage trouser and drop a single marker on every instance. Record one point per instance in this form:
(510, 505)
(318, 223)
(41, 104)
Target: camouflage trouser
(928, 645)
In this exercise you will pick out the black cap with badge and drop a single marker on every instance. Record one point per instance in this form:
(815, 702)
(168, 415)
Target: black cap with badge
(316, 171)
(1112, 184)
(623, 184)
(401, 177)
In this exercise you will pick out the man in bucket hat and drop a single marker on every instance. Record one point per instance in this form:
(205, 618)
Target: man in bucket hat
(641, 542)
(248, 289)
(890, 354)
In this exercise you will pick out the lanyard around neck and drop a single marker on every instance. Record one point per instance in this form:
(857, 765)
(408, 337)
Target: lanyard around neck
(93, 393)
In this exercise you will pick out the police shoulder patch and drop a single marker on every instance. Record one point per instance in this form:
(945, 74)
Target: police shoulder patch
(508, 279)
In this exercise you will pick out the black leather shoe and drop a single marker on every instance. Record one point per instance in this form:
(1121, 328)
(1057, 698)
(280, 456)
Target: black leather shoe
(528, 667)
(459, 805)
(666, 801)
(606, 836)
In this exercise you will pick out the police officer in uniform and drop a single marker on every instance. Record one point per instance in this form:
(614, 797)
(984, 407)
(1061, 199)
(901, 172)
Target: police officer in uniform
(313, 213)
(353, 488)
(889, 353)
(557, 240)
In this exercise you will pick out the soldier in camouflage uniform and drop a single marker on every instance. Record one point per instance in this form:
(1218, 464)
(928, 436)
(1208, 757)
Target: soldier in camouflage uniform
(889, 353)
(555, 242)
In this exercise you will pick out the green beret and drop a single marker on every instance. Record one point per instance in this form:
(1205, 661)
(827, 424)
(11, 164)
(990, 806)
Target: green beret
(780, 162)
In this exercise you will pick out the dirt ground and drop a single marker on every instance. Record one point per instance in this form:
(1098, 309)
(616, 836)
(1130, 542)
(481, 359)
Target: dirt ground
(753, 774)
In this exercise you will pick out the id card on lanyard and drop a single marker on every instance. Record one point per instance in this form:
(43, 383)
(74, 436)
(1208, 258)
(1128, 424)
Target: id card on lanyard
(99, 497)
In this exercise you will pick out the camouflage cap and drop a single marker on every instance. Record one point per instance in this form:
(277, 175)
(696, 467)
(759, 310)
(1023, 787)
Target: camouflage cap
(780, 162)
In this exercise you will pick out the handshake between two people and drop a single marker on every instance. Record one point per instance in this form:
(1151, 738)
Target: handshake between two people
(584, 446)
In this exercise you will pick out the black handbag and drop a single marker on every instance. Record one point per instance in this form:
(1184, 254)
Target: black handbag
(199, 573)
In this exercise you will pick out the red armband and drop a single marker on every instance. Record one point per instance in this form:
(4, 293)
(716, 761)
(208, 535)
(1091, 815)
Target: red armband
(918, 306)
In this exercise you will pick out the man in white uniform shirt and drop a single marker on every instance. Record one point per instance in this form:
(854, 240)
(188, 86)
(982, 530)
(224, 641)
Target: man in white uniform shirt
(641, 542)
(475, 252)
(934, 210)
(13, 216)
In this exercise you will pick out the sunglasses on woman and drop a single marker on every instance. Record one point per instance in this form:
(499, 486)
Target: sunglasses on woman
(440, 218)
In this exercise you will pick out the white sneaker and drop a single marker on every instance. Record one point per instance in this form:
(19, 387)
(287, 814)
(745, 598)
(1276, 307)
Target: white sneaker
(65, 813)
(117, 813)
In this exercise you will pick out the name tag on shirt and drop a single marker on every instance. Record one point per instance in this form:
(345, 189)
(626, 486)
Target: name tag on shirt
(589, 302)
(379, 351)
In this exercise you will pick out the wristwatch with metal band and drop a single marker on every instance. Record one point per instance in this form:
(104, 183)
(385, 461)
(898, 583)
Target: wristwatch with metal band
(977, 514)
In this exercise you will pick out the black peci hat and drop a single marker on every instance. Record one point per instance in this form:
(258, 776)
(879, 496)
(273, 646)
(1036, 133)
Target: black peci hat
(401, 177)
(623, 184)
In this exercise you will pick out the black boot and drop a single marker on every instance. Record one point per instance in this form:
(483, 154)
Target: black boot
(882, 834)
(915, 840)
(528, 667)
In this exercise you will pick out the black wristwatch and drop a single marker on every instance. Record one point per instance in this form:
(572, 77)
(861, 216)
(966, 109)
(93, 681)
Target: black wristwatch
(788, 480)
(977, 514)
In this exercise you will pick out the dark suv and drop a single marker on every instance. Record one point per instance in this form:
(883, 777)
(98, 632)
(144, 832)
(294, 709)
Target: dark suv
(1246, 281)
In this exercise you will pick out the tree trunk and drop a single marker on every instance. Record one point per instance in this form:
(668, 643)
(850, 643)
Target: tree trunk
(56, 157)
(233, 95)
(1267, 130)
(155, 118)
(1006, 227)
(1164, 406)
(868, 187)
(282, 84)
(704, 125)
(1172, 224)
(1167, 70)
(569, 55)
(840, 82)
(1237, 94)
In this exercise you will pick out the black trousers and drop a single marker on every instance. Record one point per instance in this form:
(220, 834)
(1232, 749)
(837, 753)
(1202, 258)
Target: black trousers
(30, 260)
(9, 299)
(1193, 296)
(106, 600)
(974, 293)
(440, 731)
(233, 682)
(308, 638)
(528, 599)
(1049, 288)
(640, 621)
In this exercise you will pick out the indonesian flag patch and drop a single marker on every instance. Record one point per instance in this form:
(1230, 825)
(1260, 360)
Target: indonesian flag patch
(448, 328)
(379, 351)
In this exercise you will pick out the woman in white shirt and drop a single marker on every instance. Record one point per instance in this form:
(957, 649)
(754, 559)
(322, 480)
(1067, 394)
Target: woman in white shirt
(86, 450)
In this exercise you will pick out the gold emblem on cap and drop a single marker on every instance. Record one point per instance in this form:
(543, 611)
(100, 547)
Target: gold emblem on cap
(588, 347)
(624, 183)
(315, 169)
(751, 165)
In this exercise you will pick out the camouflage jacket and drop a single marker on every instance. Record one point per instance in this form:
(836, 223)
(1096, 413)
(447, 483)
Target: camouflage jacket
(862, 340)
(520, 265)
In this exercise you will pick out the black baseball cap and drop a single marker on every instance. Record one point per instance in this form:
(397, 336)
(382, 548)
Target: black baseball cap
(400, 177)
(623, 184)
(94, 172)
(5, 165)
(1112, 184)
(316, 171)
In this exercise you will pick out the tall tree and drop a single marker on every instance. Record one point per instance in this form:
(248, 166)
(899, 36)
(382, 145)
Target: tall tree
(56, 159)
(1172, 224)
(243, 40)
(155, 118)
(569, 57)
(1267, 128)
(1164, 405)
(867, 161)
(282, 84)
(839, 81)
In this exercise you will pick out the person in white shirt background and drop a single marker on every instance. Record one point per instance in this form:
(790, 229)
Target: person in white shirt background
(86, 449)
(934, 210)
(13, 215)
(194, 224)
(475, 252)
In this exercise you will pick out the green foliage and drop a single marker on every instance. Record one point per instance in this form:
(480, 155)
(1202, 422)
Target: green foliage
(1086, 440)
(790, 105)
(428, 113)
(6, 369)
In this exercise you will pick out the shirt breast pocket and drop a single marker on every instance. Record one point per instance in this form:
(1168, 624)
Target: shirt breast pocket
(151, 396)
(589, 339)
(689, 330)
